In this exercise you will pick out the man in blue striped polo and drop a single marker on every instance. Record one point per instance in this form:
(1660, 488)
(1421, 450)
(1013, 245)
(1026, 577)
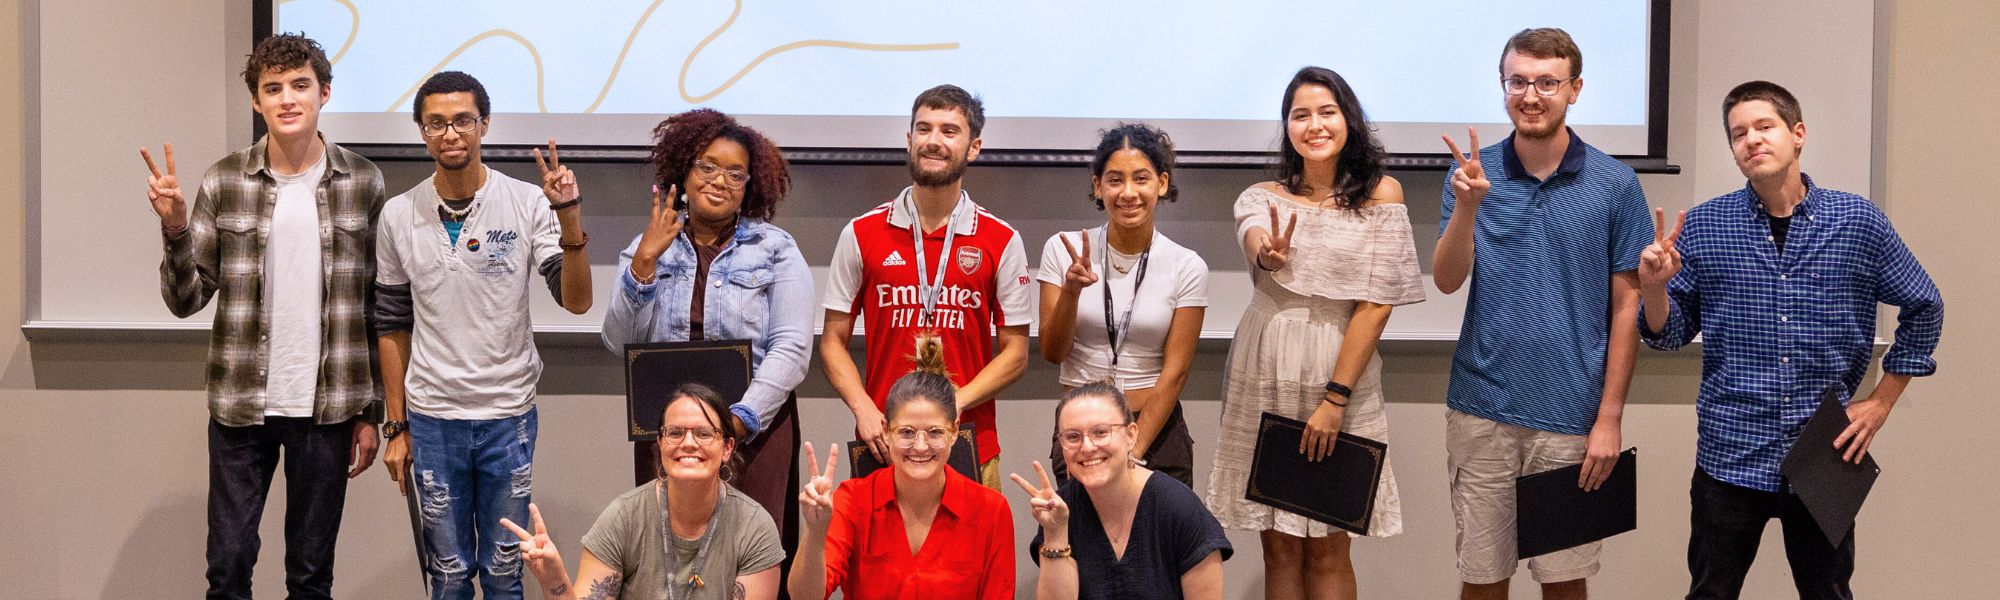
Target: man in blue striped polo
(1550, 238)
(1781, 278)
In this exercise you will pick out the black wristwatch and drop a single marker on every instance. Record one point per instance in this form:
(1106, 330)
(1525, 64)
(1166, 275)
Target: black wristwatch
(1334, 387)
(391, 429)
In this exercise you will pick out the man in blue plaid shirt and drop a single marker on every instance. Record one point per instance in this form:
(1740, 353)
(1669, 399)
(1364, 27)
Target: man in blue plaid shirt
(1781, 279)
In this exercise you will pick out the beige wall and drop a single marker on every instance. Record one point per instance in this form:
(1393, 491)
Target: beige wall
(103, 475)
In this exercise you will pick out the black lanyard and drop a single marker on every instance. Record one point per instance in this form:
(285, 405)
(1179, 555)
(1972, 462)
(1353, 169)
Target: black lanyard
(1111, 329)
(667, 542)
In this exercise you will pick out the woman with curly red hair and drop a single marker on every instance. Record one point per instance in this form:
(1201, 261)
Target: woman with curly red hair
(710, 265)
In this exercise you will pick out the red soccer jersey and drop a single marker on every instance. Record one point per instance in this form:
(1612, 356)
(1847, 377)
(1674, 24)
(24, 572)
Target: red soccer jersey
(986, 284)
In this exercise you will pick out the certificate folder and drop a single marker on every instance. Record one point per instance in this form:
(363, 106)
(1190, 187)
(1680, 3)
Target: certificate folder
(1832, 489)
(1339, 490)
(654, 369)
(964, 456)
(1551, 513)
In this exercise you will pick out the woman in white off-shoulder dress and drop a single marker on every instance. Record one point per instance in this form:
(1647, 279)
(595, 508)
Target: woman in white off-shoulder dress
(1330, 251)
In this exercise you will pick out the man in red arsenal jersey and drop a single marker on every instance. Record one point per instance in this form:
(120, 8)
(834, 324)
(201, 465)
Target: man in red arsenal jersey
(968, 282)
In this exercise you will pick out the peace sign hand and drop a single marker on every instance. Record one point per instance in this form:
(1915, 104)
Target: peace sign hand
(816, 497)
(165, 191)
(537, 551)
(1468, 183)
(1079, 275)
(1661, 261)
(1277, 250)
(1050, 510)
(661, 228)
(558, 182)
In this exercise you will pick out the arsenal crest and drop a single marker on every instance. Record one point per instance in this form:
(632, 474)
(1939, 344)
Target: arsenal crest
(968, 259)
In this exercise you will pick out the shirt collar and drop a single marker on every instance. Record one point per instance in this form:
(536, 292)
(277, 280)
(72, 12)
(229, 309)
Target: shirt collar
(903, 210)
(1572, 161)
(336, 160)
(1755, 204)
(957, 497)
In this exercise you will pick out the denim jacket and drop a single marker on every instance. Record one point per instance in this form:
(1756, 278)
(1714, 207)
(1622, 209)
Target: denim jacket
(759, 290)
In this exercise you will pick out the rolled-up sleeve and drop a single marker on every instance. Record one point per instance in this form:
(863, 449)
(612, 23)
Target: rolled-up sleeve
(785, 359)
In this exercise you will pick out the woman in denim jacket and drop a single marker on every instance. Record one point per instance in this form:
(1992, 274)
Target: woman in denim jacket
(721, 271)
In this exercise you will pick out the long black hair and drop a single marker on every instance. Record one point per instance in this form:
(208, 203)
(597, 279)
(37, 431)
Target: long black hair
(1360, 164)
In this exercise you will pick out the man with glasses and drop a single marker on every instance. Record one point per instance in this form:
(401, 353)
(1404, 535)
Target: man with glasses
(282, 235)
(454, 273)
(1550, 239)
(931, 261)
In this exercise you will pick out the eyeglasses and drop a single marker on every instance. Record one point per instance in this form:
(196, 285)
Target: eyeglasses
(673, 435)
(1072, 439)
(461, 125)
(1545, 86)
(731, 178)
(906, 436)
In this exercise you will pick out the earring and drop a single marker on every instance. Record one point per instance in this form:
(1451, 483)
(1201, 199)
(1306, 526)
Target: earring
(728, 472)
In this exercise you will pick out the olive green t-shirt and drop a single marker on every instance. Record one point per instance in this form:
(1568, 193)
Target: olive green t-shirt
(626, 537)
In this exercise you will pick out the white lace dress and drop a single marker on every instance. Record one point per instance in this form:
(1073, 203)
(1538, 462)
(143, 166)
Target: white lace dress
(1285, 346)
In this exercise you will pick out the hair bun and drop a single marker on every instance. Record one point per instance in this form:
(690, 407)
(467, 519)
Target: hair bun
(929, 355)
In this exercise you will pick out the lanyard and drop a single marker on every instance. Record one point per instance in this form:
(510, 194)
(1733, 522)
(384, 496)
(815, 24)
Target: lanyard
(667, 542)
(930, 289)
(1124, 323)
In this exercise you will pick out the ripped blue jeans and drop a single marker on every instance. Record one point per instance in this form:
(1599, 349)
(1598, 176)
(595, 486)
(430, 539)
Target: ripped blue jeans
(470, 474)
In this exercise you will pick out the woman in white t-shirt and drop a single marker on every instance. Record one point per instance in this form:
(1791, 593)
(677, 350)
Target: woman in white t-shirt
(1122, 303)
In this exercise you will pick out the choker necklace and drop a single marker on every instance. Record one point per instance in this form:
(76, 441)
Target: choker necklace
(455, 215)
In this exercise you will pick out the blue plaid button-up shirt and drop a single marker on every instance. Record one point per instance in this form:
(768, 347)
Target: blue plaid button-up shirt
(1779, 328)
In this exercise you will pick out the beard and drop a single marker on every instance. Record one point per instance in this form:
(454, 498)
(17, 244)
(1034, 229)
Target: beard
(1552, 125)
(950, 174)
(455, 165)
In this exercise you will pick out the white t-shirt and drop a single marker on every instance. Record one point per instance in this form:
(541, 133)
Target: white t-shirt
(472, 345)
(292, 277)
(1175, 278)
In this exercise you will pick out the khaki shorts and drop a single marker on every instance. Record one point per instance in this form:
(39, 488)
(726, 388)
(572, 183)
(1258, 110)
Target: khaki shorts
(989, 474)
(1484, 458)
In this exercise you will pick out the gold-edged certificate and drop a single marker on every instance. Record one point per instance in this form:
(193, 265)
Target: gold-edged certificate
(654, 369)
(1339, 490)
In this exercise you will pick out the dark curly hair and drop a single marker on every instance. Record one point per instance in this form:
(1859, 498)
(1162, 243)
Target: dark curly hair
(679, 140)
(1148, 140)
(1361, 162)
(447, 82)
(284, 52)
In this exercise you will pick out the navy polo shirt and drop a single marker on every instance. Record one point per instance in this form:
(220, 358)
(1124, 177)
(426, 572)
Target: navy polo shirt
(1537, 317)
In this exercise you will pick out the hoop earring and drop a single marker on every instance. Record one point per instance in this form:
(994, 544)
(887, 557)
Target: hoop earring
(728, 472)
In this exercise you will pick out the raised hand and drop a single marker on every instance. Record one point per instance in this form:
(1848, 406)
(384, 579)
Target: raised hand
(1468, 183)
(816, 496)
(661, 228)
(1660, 261)
(1322, 428)
(1079, 275)
(558, 182)
(1277, 250)
(164, 190)
(537, 551)
(1050, 510)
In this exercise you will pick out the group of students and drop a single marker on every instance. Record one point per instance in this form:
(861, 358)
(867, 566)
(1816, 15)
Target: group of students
(324, 280)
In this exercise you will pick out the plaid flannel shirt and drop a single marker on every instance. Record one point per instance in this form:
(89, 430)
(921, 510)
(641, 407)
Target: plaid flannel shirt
(222, 251)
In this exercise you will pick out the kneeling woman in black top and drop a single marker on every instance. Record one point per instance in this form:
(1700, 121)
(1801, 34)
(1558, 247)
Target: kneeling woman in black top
(1117, 529)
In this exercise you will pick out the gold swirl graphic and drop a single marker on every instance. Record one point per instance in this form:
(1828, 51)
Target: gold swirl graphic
(541, 101)
(353, 29)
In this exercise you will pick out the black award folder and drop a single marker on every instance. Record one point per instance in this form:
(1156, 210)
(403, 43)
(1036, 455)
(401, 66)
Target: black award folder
(417, 523)
(1551, 513)
(1831, 488)
(654, 369)
(1338, 490)
(964, 456)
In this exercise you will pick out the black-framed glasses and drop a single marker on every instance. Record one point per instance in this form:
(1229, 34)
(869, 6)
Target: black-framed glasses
(463, 125)
(907, 436)
(1545, 86)
(673, 435)
(732, 178)
(1098, 435)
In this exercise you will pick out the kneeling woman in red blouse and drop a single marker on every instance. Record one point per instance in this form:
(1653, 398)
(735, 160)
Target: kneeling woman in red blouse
(916, 530)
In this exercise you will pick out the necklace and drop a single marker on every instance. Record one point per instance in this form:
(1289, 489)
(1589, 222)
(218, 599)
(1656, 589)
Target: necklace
(455, 214)
(667, 536)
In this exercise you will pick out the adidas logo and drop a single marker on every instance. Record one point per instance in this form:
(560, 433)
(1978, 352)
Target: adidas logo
(895, 259)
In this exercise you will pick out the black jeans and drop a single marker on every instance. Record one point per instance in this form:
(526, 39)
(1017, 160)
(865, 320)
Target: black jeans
(240, 463)
(1728, 522)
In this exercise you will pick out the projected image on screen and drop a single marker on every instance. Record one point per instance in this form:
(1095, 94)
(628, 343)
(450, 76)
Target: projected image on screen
(841, 74)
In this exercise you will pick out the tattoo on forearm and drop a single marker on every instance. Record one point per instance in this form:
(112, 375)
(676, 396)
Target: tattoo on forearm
(603, 589)
(559, 589)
